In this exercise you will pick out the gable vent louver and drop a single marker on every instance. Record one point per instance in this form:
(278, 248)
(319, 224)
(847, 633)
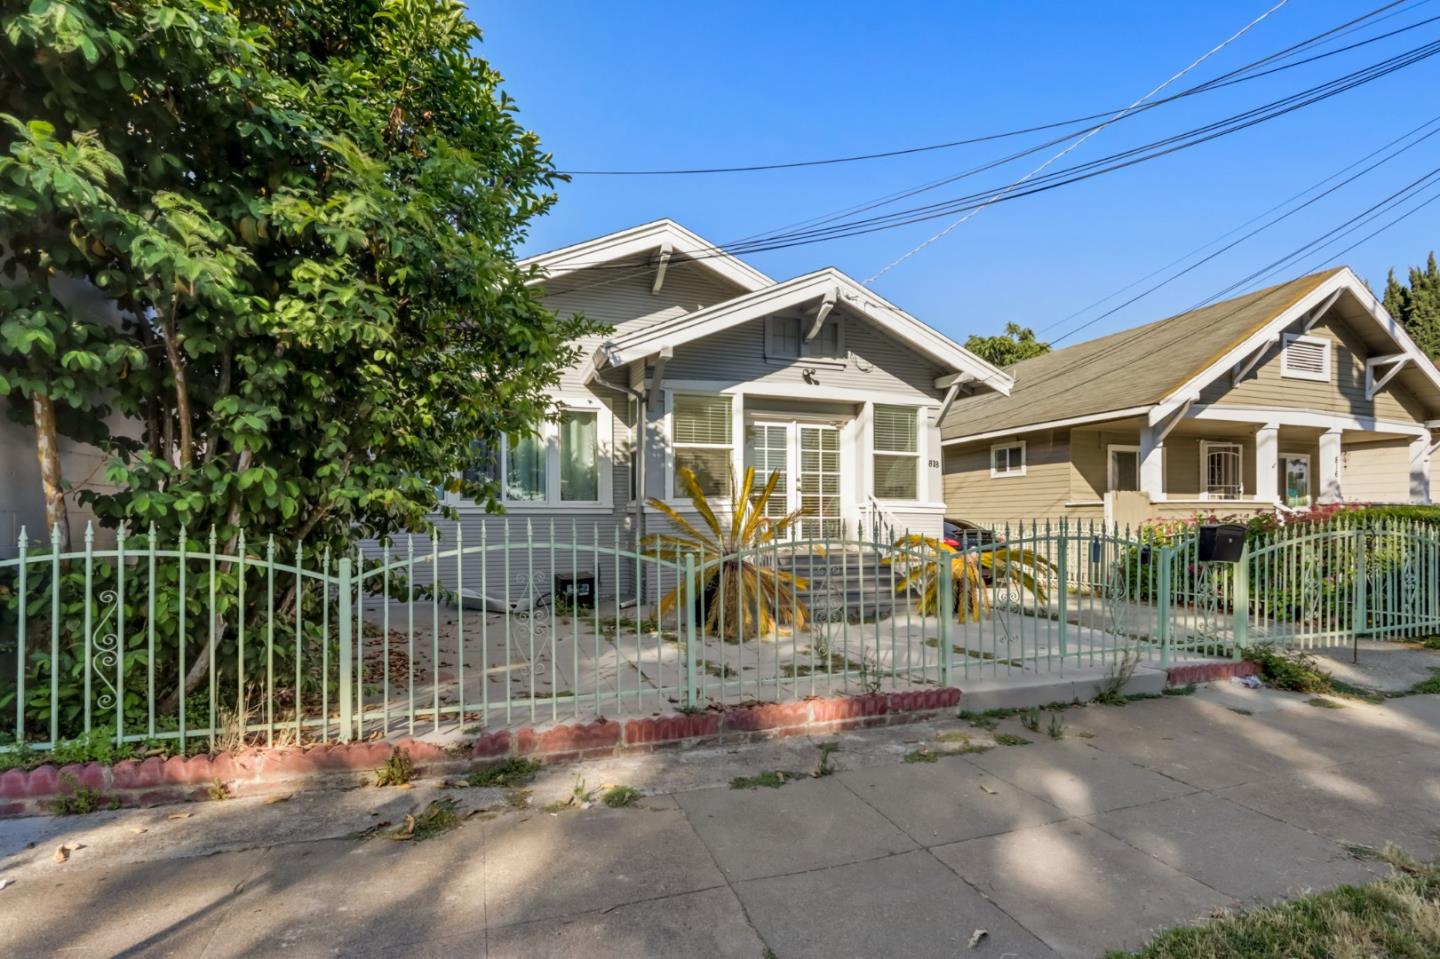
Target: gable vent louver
(1306, 358)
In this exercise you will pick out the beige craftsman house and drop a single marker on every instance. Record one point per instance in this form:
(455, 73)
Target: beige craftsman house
(712, 365)
(1303, 393)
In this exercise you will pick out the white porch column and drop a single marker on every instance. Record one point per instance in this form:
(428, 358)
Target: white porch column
(1420, 469)
(1267, 463)
(1329, 467)
(1152, 464)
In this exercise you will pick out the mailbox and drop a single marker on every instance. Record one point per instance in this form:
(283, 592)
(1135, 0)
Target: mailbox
(1221, 543)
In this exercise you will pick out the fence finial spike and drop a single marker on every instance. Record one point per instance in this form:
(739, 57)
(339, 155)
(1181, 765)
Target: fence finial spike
(89, 533)
(55, 535)
(20, 544)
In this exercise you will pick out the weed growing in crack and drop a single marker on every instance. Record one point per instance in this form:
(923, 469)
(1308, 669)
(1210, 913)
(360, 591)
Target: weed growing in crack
(515, 771)
(621, 797)
(772, 779)
(1005, 739)
(398, 770)
(1030, 719)
(1056, 729)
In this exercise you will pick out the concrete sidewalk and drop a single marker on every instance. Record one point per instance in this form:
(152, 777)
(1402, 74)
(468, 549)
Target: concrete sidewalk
(1161, 812)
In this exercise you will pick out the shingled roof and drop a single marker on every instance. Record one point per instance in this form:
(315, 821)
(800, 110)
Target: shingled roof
(1133, 368)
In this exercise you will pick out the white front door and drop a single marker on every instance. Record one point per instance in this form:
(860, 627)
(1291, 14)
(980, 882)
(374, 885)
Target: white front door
(807, 457)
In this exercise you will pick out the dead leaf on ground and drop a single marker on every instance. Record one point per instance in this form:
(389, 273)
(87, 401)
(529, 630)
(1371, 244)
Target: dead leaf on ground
(137, 830)
(976, 936)
(273, 800)
(180, 815)
(6, 882)
(993, 792)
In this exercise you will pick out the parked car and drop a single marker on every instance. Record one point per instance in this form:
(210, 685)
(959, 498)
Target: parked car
(962, 535)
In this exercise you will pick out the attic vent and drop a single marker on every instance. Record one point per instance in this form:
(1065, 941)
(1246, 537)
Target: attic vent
(1305, 358)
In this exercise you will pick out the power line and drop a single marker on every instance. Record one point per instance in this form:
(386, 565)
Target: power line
(1284, 216)
(1073, 146)
(1331, 34)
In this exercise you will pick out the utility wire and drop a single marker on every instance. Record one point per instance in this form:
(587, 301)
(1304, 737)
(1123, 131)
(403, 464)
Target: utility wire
(1331, 34)
(1073, 146)
(1260, 229)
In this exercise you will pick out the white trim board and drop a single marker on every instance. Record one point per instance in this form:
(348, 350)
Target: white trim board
(797, 292)
(1048, 425)
(1307, 418)
(637, 240)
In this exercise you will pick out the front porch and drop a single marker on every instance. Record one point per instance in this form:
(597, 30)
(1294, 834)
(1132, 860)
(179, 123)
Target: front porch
(1233, 461)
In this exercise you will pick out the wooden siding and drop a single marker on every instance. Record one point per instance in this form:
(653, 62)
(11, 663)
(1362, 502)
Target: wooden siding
(876, 362)
(1376, 472)
(1266, 388)
(971, 493)
(622, 300)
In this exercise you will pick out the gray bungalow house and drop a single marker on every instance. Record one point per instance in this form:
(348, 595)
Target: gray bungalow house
(714, 366)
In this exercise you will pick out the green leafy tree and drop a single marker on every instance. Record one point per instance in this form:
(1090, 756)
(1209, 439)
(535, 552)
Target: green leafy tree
(278, 239)
(1015, 344)
(1417, 305)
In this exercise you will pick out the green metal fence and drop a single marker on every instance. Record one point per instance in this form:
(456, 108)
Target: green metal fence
(200, 643)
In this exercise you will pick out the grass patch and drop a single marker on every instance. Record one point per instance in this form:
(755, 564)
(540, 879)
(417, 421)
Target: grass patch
(398, 770)
(1320, 702)
(512, 772)
(1351, 691)
(517, 798)
(1293, 671)
(217, 790)
(1241, 710)
(1426, 687)
(621, 797)
(1398, 918)
(922, 755)
(771, 779)
(1187, 690)
(1005, 739)
(1431, 642)
(437, 817)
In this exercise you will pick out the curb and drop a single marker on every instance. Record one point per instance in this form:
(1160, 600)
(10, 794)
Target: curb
(343, 765)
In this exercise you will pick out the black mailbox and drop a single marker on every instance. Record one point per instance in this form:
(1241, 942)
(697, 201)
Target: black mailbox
(1221, 543)
(577, 590)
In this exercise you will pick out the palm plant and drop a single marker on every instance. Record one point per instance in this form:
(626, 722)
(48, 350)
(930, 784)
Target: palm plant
(972, 573)
(741, 596)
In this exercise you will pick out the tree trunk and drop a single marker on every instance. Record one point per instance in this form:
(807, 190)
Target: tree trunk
(200, 665)
(47, 451)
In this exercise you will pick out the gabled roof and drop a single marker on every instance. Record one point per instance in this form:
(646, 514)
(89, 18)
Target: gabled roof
(846, 292)
(640, 241)
(1166, 362)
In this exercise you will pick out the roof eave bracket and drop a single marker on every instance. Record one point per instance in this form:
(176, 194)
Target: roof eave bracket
(1315, 315)
(1374, 384)
(667, 250)
(821, 312)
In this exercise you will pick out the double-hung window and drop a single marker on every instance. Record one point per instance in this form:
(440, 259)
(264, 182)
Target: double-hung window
(701, 435)
(896, 451)
(579, 465)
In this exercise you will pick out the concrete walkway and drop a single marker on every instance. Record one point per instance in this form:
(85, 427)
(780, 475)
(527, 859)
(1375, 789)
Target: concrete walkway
(1161, 812)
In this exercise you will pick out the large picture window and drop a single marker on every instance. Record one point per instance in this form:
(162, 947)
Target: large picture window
(896, 450)
(702, 439)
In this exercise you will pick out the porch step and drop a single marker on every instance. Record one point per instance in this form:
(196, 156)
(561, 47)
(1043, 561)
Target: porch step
(861, 583)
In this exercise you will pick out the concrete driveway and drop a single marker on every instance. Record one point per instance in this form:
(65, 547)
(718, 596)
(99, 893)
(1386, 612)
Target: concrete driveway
(1141, 817)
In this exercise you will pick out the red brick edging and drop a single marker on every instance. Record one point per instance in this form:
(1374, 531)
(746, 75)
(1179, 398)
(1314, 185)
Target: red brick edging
(258, 771)
(1208, 672)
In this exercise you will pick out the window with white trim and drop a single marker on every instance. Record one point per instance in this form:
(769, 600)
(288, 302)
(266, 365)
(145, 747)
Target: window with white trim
(1305, 357)
(701, 437)
(896, 451)
(785, 339)
(558, 462)
(1221, 470)
(1008, 459)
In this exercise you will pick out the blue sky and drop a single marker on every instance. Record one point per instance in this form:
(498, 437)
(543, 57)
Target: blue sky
(646, 85)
